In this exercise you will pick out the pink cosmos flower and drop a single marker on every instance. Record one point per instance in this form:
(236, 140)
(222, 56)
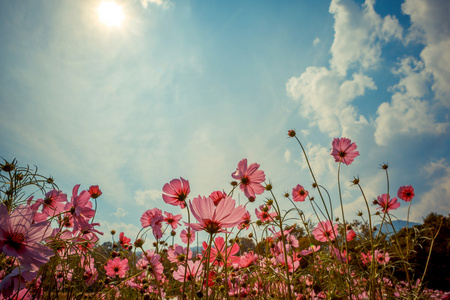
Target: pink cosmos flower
(213, 218)
(263, 213)
(172, 220)
(178, 254)
(245, 221)
(154, 218)
(176, 192)
(21, 239)
(80, 207)
(381, 257)
(344, 150)
(187, 236)
(281, 261)
(218, 196)
(123, 240)
(299, 193)
(218, 253)
(325, 231)
(406, 193)
(53, 203)
(250, 178)
(310, 250)
(95, 191)
(386, 204)
(247, 259)
(351, 234)
(117, 267)
(193, 271)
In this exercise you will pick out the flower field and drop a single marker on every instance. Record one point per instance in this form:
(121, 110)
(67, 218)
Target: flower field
(49, 246)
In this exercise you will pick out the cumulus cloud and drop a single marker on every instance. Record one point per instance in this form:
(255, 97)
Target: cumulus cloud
(316, 41)
(287, 156)
(408, 112)
(359, 33)
(143, 197)
(430, 25)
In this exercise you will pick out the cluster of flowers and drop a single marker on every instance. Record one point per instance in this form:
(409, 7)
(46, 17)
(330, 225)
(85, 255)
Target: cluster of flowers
(34, 256)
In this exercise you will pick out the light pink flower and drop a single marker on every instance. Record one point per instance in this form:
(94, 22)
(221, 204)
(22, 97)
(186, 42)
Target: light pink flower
(154, 218)
(117, 267)
(250, 178)
(299, 194)
(344, 150)
(21, 239)
(187, 236)
(382, 257)
(178, 254)
(176, 192)
(406, 193)
(214, 219)
(194, 270)
(386, 204)
(325, 231)
(53, 203)
(172, 220)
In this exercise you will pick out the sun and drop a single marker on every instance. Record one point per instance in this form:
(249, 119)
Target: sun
(110, 13)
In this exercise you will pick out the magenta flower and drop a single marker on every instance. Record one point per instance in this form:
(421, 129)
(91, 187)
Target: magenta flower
(250, 178)
(123, 240)
(176, 192)
(218, 253)
(351, 234)
(344, 150)
(193, 271)
(218, 196)
(172, 220)
(382, 257)
(386, 204)
(117, 267)
(299, 193)
(53, 203)
(213, 218)
(263, 213)
(21, 239)
(81, 208)
(406, 193)
(325, 231)
(187, 236)
(245, 221)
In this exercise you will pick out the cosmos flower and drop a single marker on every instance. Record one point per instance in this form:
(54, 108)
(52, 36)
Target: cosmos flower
(344, 150)
(192, 272)
(178, 254)
(21, 239)
(214, 219)
(250, 178)
(325, 231)
(245, 221)
(116, 267)
(386, 204)
(172, 220)
(187, 236)
(406, 193)
(351, 234)
(154, 218)
(263, 213)
(220, 251)
(81, 208)
(123, 240)
(299, 194)
(95, 191)
(217, 196)
(176, 192)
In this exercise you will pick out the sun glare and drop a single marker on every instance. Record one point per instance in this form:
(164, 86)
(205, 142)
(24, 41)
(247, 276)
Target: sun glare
(110, 13)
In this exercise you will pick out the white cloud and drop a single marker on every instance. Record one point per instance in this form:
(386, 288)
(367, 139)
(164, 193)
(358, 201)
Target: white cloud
(431, 26)
(287, 156)
(358, 35)
(408, 113)
(120, 213)
(144, 197)
(316, 41)
(436, 199)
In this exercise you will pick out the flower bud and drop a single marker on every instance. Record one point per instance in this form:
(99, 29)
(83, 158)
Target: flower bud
(291, 133)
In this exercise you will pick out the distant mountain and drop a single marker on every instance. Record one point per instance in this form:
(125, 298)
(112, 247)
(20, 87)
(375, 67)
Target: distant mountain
(398, 225)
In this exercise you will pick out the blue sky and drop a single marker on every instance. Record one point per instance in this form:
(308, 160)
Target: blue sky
(189, 88)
